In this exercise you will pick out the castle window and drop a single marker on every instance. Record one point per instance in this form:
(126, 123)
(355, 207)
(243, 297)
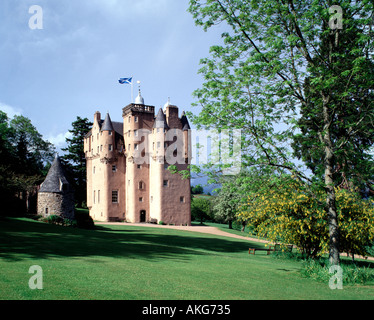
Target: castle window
(94, 169)
(110, 147)
(94, 196)
(141, 185)
(98, 196)
(129, 119)
(46, 210)
(101, 148)
(115, 196)
(166, 183)
(153, 146)
(114, 168)
(98, 149)
(139, 166)
(158, 144)
(110, 133)
(136, 119)
(181, 199)
(129, 148)
(135, 133)
(141, 199)
(136, 146)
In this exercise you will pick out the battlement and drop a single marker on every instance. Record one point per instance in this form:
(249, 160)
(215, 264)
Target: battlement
(132, 107)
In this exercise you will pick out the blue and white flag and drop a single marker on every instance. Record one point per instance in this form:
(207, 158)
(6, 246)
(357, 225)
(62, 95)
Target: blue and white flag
(125, 80)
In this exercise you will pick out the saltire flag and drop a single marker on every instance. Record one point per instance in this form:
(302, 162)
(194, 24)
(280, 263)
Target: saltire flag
(125, 80)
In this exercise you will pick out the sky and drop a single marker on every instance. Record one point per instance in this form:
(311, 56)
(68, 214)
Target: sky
(71, 66)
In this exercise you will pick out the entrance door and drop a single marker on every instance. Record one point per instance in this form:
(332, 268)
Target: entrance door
(142, 216)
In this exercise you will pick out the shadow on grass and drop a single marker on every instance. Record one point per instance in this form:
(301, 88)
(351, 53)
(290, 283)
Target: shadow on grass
(23, 239)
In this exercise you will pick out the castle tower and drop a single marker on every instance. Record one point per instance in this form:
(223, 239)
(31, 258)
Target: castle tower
(138, 120)
(158, 165)
(105, 170)
(56, 195)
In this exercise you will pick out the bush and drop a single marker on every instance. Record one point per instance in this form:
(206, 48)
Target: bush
(54, 219)
(58, 220)
(352, 274)
(287, 212)
(198, 189)
(84, 220)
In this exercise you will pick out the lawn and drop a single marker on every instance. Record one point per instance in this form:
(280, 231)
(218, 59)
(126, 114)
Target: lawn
(136, 263)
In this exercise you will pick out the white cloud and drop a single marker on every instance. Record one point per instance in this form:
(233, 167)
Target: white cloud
(59, 140)
(9, 110)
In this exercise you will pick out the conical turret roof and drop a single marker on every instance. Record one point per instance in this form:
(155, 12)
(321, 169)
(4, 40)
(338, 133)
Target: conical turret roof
(55, 181)
(160, 121)
(107, 124)
(185, 123)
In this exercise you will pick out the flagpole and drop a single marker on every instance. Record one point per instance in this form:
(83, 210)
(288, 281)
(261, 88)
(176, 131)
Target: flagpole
(132, 90)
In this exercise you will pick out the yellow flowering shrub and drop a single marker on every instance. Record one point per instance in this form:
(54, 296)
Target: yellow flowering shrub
(290, 214)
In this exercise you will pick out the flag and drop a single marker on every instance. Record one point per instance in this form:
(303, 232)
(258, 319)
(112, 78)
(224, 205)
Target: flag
(125, 80)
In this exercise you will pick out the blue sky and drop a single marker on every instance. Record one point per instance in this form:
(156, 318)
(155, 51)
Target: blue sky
(71, 67)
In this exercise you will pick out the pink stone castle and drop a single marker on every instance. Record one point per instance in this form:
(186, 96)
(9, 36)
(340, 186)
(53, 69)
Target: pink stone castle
(127, 166)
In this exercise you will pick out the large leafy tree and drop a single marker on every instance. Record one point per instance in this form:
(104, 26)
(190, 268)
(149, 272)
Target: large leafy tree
(287, 67)
(75, 157)
(24, 154)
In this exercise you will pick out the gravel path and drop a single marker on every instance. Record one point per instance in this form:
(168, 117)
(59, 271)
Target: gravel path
(202, 229)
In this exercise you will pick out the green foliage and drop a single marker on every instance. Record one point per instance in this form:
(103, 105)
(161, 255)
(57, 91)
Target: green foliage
(288, 212)
(226, 203)
(75, 159)
(198, 189)
(24, 154)
(288, 80)
(84, 220)
(352, 273)
(201, 209)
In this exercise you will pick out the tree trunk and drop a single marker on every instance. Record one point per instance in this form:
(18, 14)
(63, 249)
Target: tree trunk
(329, 187)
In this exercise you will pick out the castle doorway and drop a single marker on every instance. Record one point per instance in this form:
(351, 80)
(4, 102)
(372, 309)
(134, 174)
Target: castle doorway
(142, 216)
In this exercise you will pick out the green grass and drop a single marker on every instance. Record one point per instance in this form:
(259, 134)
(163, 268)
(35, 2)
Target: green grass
(128, 262)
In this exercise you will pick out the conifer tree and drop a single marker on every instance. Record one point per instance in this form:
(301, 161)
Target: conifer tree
(75, 158)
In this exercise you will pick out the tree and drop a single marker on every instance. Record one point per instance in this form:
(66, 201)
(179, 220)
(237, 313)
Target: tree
(198, 189)
(23, 157)
(227, 203)
(283, 58)
(76, 159)
(201, 209)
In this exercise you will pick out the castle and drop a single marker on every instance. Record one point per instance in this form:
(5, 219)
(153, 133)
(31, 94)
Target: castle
(127, 166)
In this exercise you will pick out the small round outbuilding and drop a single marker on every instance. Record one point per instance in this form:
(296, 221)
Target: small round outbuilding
(56, 195)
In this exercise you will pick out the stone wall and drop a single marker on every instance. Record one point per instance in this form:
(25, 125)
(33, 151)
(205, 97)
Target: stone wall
(56, 204)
